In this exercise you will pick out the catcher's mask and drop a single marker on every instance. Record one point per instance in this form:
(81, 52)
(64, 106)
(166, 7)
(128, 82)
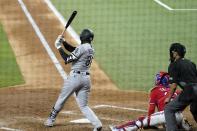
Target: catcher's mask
(179, 48)
(162, 78)
(86, 35)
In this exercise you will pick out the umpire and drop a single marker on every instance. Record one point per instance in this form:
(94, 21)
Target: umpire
(182, 73)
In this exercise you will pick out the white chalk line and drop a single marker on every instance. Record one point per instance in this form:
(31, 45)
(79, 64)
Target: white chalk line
(118, 107)
(85, 120)
(164, 5)
(107, 106)
(170, 8)
(185, 9)
(9, 129)
(27, 118)
(43, 40)
(3, 126)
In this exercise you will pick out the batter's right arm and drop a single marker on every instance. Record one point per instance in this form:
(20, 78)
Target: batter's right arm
(67, 58)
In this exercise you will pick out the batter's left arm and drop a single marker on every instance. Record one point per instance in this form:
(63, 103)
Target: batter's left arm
(67, 58)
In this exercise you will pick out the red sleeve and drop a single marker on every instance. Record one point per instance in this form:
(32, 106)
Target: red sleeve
(152, 103)
(152, 97)
(151, 109)
(176, 93)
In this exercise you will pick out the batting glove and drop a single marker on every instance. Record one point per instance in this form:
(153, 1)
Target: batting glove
(59, 41)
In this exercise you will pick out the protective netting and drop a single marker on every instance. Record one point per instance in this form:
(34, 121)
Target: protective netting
(132, 37)
(131, 42)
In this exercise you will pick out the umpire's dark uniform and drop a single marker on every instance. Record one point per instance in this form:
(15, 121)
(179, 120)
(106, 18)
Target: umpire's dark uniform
(183, 73)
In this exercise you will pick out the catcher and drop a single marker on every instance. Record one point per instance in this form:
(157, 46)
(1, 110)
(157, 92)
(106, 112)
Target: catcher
(157, 98)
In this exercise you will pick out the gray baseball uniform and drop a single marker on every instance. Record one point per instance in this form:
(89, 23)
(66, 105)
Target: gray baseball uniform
(78, 82)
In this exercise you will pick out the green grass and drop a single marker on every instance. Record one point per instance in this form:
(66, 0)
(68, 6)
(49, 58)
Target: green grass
(132, 37)
(9, 71)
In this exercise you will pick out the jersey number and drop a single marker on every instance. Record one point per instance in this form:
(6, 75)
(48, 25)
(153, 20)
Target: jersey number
(89, 61)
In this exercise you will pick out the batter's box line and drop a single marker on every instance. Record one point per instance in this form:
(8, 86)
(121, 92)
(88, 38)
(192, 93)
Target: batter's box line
(118, 107)
(108, 106)
(170, 8)
(9, 129)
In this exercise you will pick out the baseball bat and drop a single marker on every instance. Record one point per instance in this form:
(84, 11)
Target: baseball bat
(69, 21)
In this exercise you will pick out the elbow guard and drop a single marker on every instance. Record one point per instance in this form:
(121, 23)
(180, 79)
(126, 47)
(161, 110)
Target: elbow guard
(70, 58)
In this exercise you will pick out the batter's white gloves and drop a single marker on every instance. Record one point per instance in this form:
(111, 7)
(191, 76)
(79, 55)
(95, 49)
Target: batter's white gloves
(59, 41)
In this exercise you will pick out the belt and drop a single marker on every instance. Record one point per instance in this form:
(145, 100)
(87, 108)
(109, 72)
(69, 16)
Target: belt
(79, 72)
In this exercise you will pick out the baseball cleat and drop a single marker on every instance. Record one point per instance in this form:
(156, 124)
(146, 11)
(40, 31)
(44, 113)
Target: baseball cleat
(98, 129)
(186, 125)
(49, 122)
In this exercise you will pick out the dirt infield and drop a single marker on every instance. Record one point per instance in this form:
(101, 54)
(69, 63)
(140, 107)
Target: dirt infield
(26, 106)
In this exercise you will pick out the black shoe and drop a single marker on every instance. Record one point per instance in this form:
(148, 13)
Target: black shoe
(98, 129)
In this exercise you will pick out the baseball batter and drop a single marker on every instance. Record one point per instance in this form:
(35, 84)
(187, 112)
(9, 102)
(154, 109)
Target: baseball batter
(157, 100)
(78, 81)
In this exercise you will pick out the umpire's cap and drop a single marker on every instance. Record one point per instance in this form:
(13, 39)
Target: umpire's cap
(86, 35)
(179, 48)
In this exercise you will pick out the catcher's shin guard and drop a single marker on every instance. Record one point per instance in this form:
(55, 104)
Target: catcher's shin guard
(158, 118)
(131, 125)
(152, 121)
(143, 122)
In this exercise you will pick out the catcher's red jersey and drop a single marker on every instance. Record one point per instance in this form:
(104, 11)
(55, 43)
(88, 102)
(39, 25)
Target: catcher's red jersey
(157, 97)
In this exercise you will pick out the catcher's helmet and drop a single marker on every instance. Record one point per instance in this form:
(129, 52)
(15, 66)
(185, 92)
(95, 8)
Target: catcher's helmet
(179, 48)
(86, 35)
(162, 78)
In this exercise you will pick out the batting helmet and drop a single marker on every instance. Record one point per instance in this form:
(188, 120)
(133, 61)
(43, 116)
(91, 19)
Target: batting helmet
(162, 78)
(179, 48)
(86, 35)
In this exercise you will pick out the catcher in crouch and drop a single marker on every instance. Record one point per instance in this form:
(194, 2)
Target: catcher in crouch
(157, 100)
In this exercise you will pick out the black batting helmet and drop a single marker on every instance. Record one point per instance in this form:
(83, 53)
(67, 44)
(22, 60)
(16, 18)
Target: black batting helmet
(179, 48)
(86, 35)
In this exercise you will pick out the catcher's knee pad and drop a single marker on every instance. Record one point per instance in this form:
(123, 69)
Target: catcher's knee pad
(141, 118)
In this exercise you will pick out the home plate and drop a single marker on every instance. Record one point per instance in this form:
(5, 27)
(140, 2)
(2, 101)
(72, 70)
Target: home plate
(83, 120)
